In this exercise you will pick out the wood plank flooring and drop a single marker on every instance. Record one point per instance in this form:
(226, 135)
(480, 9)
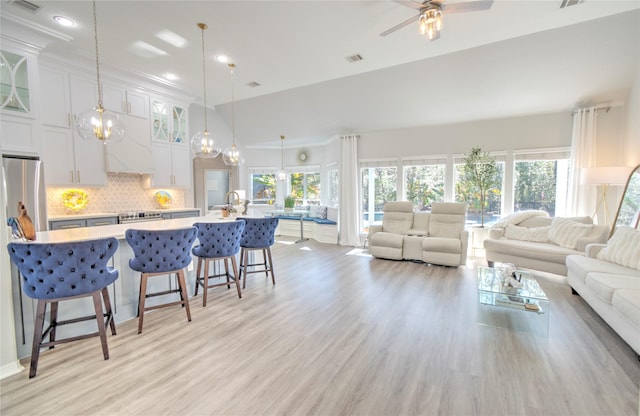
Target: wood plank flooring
(340, 333)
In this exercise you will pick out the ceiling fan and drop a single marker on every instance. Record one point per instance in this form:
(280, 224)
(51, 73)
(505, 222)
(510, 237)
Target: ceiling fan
(430, 14)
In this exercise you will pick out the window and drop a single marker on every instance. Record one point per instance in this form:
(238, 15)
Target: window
(467, 192)
(541, 182)
(305, 187)
(334, 186)
(263, 188)
(378, 187)
(424, 184)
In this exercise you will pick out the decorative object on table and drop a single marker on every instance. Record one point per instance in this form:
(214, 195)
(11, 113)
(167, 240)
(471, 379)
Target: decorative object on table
(16, 229)
(163, 198)
(289, 203)
(75, 199)
(480, 171)
(98, 123)
(28, 230)
(202, 143)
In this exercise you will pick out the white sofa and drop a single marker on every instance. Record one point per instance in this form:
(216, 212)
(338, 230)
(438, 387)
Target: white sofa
(610, 282)
(436, 237)
(540, 242)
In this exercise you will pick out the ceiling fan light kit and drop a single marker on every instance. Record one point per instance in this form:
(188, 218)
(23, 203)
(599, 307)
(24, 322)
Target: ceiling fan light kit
(431, 22)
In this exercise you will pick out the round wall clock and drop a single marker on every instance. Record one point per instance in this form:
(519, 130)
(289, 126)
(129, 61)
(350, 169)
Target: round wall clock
(303, 156)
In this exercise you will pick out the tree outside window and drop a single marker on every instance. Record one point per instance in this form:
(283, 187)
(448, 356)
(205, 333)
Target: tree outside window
(467, 191)
(535, 185)
(378, 187)
(423, 185)
(263, 188)
(334, 187)
(305, 187)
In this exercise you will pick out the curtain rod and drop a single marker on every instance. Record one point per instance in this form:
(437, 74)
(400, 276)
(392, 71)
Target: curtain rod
(597, 107)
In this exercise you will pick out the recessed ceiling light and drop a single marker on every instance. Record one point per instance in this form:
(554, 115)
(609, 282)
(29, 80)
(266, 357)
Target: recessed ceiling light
(64, 21)
(171, 76)
(223, 59)
(146, 50)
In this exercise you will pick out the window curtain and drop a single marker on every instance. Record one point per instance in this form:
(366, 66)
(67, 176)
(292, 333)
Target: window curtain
(349, 218)
(581, 199)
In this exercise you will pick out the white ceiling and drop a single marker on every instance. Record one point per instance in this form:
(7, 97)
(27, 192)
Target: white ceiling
(520, 57)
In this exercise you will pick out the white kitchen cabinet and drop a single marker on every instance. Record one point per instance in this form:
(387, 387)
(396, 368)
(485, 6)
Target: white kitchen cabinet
(71, 160)
(56, 99)
(172, 166)
(121, 100)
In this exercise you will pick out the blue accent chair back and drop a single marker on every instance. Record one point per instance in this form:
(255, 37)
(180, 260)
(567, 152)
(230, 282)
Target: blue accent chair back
(218, 241)
(160, 251)
(259, 234)
(55, 272)
(157, 253)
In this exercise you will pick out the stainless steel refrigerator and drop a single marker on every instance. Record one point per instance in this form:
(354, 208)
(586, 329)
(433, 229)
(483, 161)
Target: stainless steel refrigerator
(23, 180)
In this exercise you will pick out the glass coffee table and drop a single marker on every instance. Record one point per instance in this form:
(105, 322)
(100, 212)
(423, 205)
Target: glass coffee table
(524, 308)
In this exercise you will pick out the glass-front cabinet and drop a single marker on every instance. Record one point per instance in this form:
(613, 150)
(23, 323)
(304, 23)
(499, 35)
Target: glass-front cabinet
(160, 121)
(179, 125)
(14, 82)
(170, 145)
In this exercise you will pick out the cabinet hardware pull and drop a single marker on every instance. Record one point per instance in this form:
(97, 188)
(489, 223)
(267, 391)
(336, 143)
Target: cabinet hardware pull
(70, 226)
(78, 176)
(73, 179)
(129, 107)
(69, 119)
(101, 223)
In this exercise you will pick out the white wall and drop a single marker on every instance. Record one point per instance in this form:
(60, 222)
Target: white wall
(631, 154)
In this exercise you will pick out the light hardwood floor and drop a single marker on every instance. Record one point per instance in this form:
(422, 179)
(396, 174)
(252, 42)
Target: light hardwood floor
(340, 334)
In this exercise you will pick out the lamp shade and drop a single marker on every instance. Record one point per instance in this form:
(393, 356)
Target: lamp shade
(605, 175)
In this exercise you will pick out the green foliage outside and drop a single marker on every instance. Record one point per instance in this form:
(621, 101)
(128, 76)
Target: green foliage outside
(535, 185)
(480, 178)
(630, 206)
(424, 185)
(264, 187)
(312, 186)
(385, 187)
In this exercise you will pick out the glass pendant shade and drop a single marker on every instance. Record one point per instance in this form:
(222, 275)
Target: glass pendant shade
(232, 156)
(98, 123)
(203, 145)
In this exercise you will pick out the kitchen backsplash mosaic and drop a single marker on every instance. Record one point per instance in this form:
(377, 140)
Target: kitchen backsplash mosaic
(124, 192)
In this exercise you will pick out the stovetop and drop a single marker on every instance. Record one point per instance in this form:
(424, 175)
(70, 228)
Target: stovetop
(127, 217)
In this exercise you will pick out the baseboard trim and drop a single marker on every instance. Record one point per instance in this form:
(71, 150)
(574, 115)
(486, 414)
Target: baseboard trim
(10, 369)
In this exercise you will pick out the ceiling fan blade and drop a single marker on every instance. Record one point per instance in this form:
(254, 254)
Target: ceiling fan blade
(400, 25)
(413, 4)
(469, 6)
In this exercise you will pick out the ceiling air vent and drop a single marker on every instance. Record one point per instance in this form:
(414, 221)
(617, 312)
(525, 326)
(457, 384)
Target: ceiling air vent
(567, 3)
(32, 7)
(253, 84)
(354, 58)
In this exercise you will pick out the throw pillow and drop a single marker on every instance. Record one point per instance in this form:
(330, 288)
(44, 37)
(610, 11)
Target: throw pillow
(313, 211)
(322, 212)
(566, 232)
(623, 248)
(537, 234)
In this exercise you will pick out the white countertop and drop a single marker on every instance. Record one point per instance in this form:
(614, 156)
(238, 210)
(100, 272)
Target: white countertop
(118, 230)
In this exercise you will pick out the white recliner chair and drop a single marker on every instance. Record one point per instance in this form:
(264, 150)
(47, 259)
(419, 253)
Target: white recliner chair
(447, 240)
(385, 241)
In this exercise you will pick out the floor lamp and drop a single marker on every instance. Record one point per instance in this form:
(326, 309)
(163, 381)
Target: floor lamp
(604, 177)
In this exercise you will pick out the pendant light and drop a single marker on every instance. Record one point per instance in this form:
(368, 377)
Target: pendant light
(281, 175)
(231, 156)
(98, 123)
(202, 143)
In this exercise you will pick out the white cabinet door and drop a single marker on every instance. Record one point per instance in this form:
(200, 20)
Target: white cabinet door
(90, 163)
(162, 175)
(137, 104)
(54, 90)
(181, 165)
(114, 98)
(57, 145)
(83, 95)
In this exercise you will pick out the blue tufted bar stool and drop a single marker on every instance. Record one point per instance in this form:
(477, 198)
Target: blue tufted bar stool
(259, 234)
(218, 241)
(55, 272)
(158, 253)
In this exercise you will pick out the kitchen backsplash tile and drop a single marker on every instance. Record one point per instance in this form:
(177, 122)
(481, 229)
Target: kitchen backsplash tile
(124, 192)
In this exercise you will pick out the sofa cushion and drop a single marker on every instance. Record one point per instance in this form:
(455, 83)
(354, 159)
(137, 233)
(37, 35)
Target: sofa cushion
(420, 224)
(538, 234)
(604, 285)
(623, 248)
(580, 265)
(566, 232)
(529, 249)
(627, 303)
(442, 245)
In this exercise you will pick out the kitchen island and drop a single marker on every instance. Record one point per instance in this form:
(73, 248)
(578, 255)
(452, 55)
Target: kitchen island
(123, 292)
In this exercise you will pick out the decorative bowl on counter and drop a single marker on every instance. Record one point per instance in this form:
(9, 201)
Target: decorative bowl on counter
(163, 198)
(75, 199)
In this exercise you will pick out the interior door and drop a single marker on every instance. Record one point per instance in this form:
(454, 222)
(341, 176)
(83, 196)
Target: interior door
(216, 186)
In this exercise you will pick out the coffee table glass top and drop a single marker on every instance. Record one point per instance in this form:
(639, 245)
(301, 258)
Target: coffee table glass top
(490, 281)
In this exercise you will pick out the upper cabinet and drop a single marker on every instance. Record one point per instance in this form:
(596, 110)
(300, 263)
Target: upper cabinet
(69, 159)
(18, 101)
(168, 121)
(128, 101)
